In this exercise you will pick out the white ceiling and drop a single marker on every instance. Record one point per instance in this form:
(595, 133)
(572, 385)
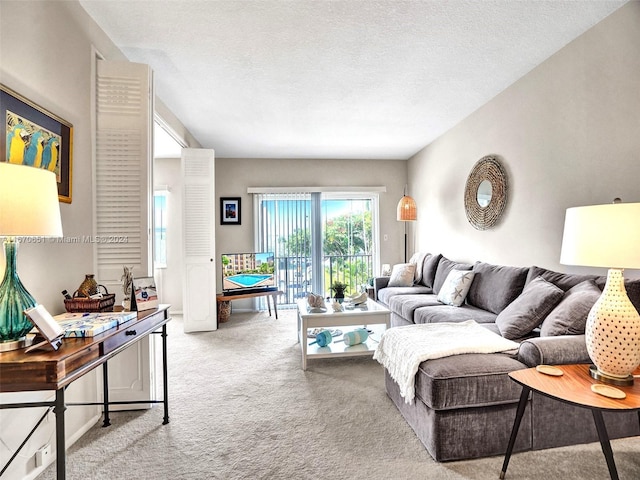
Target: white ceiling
(375, 79)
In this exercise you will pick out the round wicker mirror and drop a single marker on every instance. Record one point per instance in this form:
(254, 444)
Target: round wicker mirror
(483, 203)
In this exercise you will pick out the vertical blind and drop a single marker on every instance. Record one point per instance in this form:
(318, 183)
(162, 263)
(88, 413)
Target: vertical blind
(284, 227)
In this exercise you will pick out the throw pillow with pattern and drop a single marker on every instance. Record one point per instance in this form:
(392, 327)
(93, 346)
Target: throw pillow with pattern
(455, 288)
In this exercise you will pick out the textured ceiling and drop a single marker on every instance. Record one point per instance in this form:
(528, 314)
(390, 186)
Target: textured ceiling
(336, 79)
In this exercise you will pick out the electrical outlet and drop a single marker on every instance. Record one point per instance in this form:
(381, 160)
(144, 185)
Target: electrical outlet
(43, 454)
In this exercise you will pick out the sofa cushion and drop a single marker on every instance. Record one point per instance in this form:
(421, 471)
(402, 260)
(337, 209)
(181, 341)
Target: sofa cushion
(386, 294)
(469, 380)
(563, 349)
(405, 305)
(563, 280)
(444, 267)
(528, 311)
(429, 267)
(449, 314)
(455, 288)
(402, 275)
(569, 317)
(495, 286)
(633, 291)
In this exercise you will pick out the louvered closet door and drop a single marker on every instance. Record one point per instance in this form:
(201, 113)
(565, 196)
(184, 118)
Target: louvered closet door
(199, 282)
(123, 194)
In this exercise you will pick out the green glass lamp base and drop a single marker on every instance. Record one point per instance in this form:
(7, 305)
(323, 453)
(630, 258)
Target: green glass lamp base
(14, 299)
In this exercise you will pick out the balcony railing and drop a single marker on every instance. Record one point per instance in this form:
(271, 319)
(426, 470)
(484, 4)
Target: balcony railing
(294, 274)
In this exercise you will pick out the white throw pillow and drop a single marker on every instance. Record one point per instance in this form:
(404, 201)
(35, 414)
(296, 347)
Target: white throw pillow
(455, 287)
(418, 259)
(402, 275)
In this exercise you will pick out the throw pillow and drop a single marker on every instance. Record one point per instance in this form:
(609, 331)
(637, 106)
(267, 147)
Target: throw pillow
(529, 309)
(429, 267)
(570, 315)
(496, 286)
(418, 259)
(455, 287)
(442, 272)
(402, 275)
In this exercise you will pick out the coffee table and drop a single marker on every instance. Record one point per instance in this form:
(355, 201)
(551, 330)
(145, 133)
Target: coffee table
(372, 315)
(574, 388)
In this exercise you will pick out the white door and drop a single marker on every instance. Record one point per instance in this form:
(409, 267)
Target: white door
(198, 230)
(122, 205)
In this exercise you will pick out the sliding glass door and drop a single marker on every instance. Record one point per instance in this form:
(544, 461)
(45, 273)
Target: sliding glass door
(318, 239)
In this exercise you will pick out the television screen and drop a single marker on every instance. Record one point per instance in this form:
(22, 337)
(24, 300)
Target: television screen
(248, 272)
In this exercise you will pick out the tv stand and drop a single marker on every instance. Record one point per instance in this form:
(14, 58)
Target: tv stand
(224, 302)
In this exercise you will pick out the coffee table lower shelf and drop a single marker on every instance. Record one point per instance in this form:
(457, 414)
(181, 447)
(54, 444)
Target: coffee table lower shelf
(375, 318)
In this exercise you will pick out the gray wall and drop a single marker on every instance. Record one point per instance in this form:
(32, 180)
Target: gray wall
(233, 176)
(569, 135)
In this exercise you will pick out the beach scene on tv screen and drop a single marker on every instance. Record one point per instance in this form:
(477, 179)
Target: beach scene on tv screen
(248, 270)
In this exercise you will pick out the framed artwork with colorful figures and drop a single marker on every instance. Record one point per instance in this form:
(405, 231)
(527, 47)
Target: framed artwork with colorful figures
(36, 137)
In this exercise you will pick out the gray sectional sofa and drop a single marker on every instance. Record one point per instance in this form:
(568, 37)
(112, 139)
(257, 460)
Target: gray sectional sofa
(465, 405)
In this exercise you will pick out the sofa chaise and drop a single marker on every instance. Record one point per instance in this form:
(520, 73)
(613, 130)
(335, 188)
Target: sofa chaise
(464, 405)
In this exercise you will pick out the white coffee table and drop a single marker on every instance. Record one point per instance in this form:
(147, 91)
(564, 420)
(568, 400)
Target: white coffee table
(373, 315)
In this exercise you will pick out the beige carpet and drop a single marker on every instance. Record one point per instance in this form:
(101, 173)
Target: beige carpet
(241, 408)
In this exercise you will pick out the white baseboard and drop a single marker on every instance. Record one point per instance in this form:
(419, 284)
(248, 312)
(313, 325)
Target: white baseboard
(70, 441)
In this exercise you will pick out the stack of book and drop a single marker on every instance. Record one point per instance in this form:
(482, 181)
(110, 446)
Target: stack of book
(91, 324)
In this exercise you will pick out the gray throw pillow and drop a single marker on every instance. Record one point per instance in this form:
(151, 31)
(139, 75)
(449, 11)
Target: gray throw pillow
(563, 280)
(429, 267)
(495, 286)
(528, 311)
(569, 317)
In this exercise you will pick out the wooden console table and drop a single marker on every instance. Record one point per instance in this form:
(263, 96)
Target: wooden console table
(56, 370)
(224, 302)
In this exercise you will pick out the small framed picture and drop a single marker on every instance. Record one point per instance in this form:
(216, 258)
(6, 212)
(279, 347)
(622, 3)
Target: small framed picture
(144, 295)
(230, 211)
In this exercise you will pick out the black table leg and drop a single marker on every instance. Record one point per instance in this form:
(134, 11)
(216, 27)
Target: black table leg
(61, 453)
(522, 404)
(105, 395)
(268, 304)
(604, 443)
(165, 375)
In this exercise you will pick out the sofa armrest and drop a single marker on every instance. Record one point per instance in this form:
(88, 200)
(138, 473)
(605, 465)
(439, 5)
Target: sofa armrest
(560, 350)
(379, 283)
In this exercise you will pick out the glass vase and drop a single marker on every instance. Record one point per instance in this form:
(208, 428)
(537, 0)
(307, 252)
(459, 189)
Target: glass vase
(14, 298)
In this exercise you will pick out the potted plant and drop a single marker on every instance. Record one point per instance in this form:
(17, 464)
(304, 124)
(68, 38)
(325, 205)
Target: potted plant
(338, 288)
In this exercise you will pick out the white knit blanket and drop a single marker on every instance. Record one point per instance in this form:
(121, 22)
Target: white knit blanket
(402, 349)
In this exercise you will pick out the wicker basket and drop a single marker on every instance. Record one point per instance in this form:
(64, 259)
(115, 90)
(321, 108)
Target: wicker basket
(84, 304)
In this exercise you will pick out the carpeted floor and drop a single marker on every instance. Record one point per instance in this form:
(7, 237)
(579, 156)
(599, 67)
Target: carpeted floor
(242, 408)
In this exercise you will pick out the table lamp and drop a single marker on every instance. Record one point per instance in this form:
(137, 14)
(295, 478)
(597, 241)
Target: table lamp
(28, 208)
(608, 236)
(407, 212)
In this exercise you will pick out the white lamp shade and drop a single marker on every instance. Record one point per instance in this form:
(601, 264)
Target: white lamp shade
(28, 202)
(602, 236)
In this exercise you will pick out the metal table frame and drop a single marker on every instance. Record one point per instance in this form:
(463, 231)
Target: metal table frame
(59, 405)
